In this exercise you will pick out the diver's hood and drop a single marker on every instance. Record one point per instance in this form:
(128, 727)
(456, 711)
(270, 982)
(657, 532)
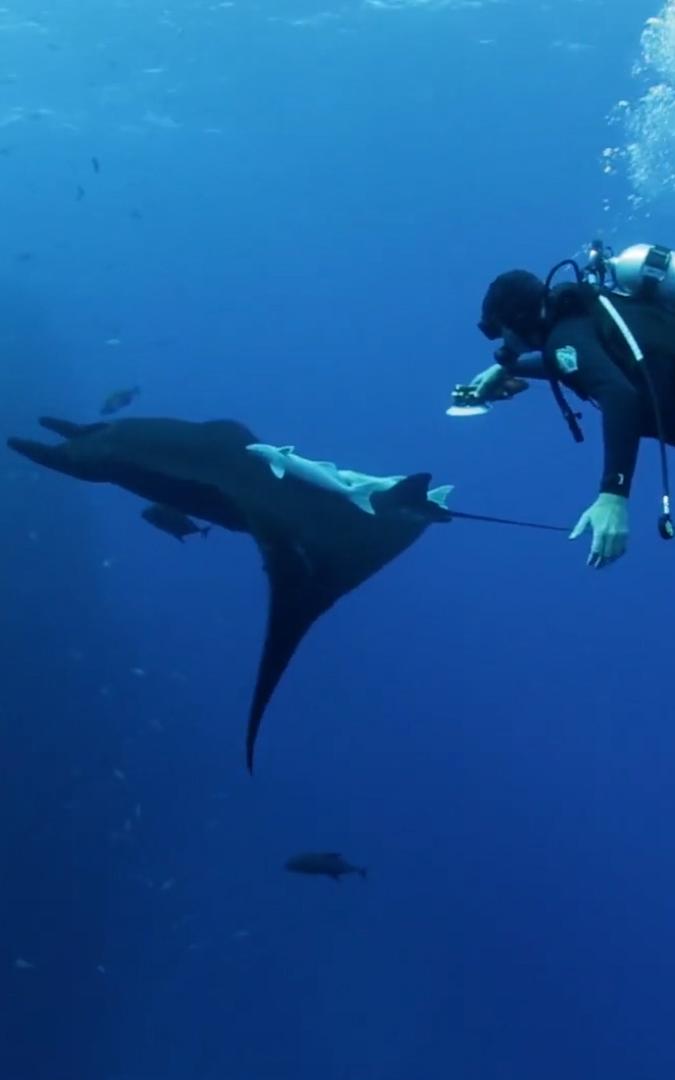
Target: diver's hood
(513, 299)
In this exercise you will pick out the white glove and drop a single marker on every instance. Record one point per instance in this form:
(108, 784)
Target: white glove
(608, 518)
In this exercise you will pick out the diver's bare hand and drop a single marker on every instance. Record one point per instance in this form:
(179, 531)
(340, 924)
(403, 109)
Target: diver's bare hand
(487, 384)
(608, 520)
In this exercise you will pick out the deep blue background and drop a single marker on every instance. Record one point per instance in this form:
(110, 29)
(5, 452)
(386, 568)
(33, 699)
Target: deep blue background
(293, 224)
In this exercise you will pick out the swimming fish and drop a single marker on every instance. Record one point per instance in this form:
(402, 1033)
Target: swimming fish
(119, 400)
(173, 522)
(327, 863)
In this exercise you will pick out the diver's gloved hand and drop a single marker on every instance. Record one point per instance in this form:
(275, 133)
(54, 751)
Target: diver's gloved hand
(488, 383)
(608, 518)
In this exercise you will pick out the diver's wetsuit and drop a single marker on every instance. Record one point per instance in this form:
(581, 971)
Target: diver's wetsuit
(607, 375)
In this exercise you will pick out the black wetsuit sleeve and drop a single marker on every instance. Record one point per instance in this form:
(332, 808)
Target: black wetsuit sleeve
(529, 366)
(599, 378)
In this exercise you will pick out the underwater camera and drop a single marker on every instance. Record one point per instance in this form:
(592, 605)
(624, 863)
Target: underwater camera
(466, 402)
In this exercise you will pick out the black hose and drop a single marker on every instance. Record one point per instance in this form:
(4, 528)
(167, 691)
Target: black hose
(509, 521)
(665, 522)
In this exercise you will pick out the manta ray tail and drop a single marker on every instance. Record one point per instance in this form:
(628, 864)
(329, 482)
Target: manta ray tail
(67, 428)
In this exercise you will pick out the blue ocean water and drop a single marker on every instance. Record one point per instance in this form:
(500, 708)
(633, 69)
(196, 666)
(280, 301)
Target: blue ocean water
(287, 212)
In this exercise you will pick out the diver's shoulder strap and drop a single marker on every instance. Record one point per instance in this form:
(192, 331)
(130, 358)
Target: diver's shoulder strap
(622, 326)
(570, 417)
(567, 301)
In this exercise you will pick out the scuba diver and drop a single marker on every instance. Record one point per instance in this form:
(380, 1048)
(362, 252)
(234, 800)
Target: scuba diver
(609, 337)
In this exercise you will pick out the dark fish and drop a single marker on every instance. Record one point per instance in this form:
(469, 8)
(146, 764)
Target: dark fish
(119, 400)
(23, 256)
(136, 214)
(316, 545)
(96, 165)
(80, 193)
(173, 522)
(327, 863)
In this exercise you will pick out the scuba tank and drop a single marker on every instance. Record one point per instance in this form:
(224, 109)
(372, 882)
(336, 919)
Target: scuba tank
(643, 271)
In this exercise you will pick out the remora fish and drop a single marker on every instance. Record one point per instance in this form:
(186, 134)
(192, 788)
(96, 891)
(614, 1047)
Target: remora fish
(173, 522)
(358, 487)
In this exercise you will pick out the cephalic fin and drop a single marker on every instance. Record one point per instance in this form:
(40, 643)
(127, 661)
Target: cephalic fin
(68, 429)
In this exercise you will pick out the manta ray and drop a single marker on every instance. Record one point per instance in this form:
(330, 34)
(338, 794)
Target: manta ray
(316, 544)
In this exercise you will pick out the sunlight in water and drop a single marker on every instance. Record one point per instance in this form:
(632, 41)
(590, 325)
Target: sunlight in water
(647, 148)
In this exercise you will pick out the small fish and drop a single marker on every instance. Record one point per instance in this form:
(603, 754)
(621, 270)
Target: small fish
(79, 193)
(23, 965)
(173, 522)
(118, 400)
(96, 165)
(329, 863)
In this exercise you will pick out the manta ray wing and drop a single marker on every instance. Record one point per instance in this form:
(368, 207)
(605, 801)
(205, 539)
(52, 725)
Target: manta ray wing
(329, 547)
(296, 600)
